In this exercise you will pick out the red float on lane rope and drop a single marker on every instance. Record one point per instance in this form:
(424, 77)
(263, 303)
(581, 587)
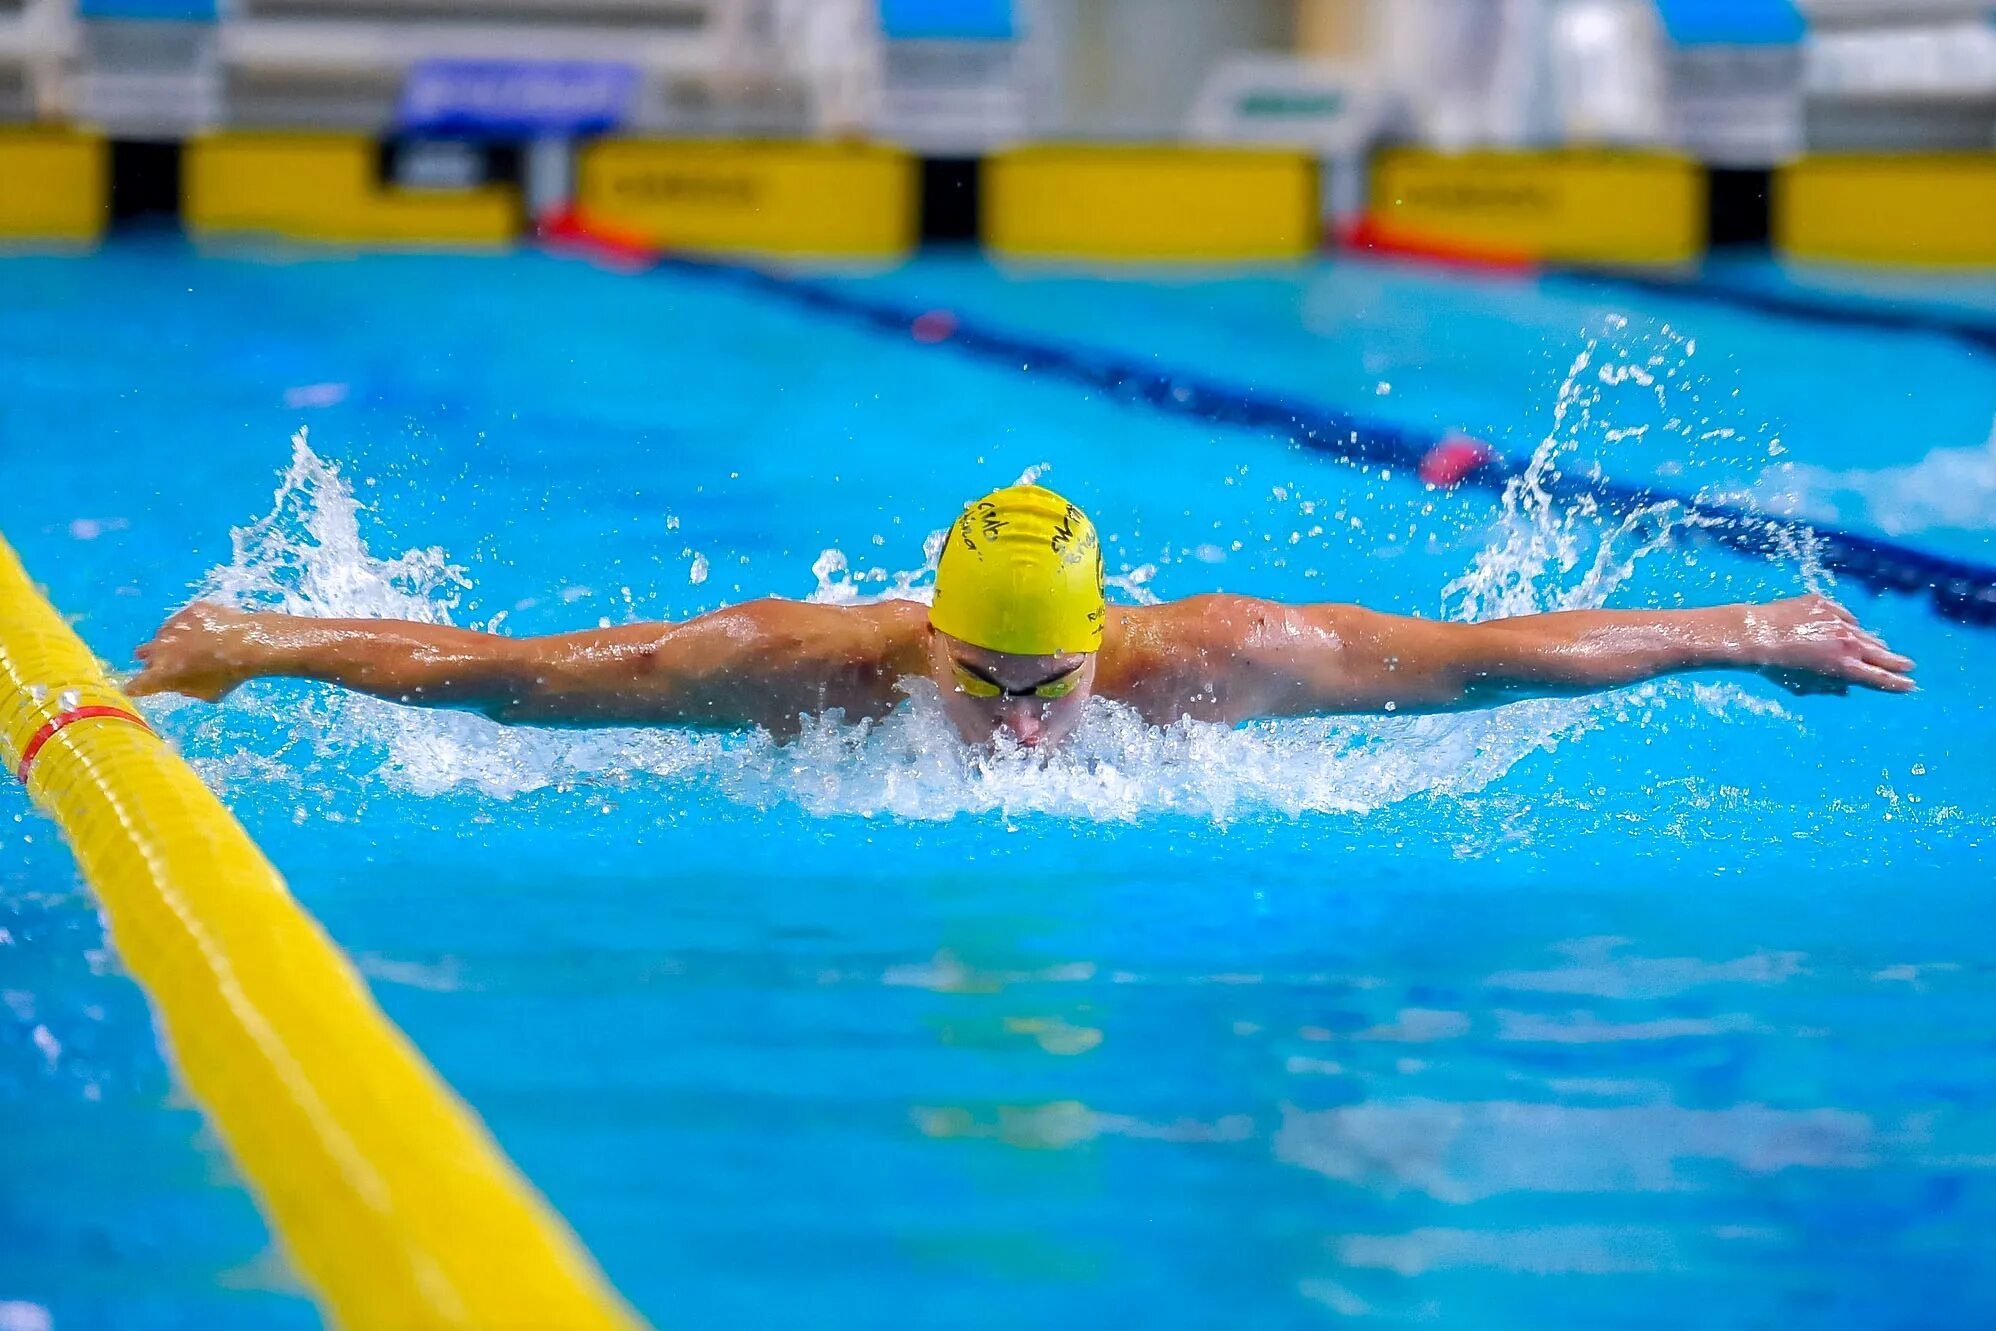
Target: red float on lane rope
(61, 719)
(935, 326)
(1452, 460)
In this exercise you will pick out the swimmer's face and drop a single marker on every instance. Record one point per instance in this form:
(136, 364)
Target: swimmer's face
(1036, 699)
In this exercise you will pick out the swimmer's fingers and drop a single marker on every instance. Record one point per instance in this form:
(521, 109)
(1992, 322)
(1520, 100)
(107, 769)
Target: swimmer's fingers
(1869, 662)
(143, 683)
(1876, 677)
(1878, 654)
(146, 679)
(208, 688)
(1837, 679)
(1867, 666)
(1877, 666)
(193, 652)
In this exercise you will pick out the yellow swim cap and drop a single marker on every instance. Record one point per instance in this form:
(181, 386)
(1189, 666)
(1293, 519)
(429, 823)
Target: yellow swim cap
(1021, 572)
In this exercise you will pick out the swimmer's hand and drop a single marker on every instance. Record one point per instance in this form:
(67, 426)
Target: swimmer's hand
(203, 651)
(1810, 644)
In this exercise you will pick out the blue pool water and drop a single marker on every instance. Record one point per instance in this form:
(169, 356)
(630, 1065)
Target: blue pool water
(1578, 1013)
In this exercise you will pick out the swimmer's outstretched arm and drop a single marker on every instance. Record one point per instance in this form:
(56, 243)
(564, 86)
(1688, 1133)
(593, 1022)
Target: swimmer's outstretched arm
(1312, 659)
(761, 663)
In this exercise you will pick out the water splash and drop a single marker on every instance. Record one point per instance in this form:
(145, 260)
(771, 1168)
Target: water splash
(840, 584)
(307, 556)
(1555, 548)
(1553, 552)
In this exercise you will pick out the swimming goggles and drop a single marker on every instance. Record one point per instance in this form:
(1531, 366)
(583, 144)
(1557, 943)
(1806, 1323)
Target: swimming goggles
(977, 686)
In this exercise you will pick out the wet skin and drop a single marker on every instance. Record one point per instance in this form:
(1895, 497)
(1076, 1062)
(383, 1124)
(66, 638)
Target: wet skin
(1215, 658)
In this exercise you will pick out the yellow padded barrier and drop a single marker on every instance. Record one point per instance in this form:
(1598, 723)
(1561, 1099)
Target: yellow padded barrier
(1108, 201)
(323, 188)
(386, 1191)
(54, 185)
(1919, 208)
(835, 200)
(1573, 206)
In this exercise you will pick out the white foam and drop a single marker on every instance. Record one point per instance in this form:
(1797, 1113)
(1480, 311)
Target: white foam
(1948, 489)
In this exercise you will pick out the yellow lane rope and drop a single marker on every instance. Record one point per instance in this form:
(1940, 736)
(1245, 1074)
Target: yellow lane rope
(386, 1191)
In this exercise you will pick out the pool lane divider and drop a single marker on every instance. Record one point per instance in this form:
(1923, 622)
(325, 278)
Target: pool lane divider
(1958, 590)
(33, 748)
(389, 1196)
(1705, 287)
(1863, 313)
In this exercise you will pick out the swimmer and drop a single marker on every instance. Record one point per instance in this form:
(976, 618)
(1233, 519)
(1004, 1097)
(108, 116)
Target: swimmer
(1017, 642)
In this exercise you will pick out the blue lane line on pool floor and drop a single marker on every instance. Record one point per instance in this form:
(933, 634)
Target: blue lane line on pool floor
(1857, 313)
(1956, 589)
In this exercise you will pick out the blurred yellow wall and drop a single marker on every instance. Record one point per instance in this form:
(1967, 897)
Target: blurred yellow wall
(847, 200)
(1915, 208)
(1106, 201)
(54, 185)
(1564, 206)
(322, 187)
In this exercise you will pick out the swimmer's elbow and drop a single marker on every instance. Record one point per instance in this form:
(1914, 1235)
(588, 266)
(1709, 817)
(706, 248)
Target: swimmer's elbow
(537, 680)
(538, 703)
(513, 699)
(1379, 662)
(635, 675)
(513, 693)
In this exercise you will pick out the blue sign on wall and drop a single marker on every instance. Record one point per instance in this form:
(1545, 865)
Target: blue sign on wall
(186, 11)
(1732, 22)
(948, 20)
(515, 98)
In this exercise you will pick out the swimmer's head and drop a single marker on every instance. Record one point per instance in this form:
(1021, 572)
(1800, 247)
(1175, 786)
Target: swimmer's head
(1018, 615)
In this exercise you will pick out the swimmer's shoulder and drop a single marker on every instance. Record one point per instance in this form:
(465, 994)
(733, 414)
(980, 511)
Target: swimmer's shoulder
(1214, 621)
(885, 631)
(1201, 657)
(894, 619)
(1151, 654)
(898, 631)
